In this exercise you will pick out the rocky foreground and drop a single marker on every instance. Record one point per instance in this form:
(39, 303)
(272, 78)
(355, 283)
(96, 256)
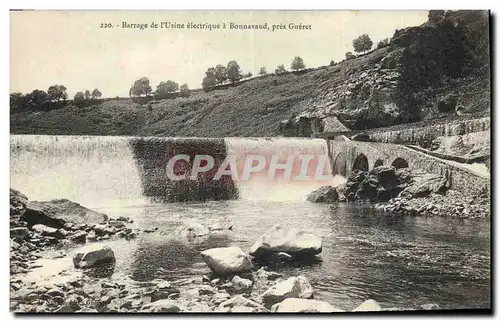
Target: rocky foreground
(239, 281)
(405, 192)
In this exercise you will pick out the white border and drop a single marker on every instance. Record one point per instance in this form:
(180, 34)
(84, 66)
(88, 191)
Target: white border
(200, 5)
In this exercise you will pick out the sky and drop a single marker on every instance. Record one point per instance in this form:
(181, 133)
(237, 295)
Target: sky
(70, 47)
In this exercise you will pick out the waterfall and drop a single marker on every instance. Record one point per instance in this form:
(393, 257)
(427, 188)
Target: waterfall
(261, 187)
(92, 170)
(107, 171)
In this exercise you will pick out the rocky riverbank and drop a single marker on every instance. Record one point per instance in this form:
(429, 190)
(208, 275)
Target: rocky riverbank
(405, 192)
(239, 281)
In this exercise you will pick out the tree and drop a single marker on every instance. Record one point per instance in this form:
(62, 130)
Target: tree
(280, 69)
(332, 63)
(233, 71)
(96, 93)
(248, 75)
(87, 94)
(297, 63)
(349, 55)
(362, 44)
(184, 92)
(79, 97)
(383, 43)
(220, 74)
(262, 71)
(57, 93)
(38, 97)
(141, 87)
(16, 100)
(165, 88)
(209, 79)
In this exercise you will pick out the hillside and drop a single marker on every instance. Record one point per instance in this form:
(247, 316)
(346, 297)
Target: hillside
(432, 71)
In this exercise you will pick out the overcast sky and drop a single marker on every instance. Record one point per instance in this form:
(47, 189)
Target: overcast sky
(70, 48)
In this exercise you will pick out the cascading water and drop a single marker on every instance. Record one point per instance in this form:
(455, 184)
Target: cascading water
(91, 170)
(261, 186)
(103, 171)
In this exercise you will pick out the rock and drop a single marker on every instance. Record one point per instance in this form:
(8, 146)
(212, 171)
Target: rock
(47, 231)
(262, 273)
(240, 301)
(55, 292)
(18, 203)
(91, 236)
(64, 309)
(327, 194)
(241, 284)
(430, 306)
(92, 255)
(116, 224)
(368, 306)
(19, 232)
(289, 240)
(423, 184)
(162, 306)
(303, 306)
(206, 290)
(56, 213)
(293, 287)
(220, 297)
(79, 237)
(226, 260)
(73, 302)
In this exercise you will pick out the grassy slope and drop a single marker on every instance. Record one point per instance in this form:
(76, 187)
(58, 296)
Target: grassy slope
(253, 108)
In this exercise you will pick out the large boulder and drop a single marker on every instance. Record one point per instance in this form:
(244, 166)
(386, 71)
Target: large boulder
(93, 255)
(293, 287)
(424, 184)
(327, 194)
(296, 305)
(47, 231)
(56, 213)
(288, 240)
(227, 260)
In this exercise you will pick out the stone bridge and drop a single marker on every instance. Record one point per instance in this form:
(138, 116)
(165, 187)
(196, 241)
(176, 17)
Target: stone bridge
(346, 155)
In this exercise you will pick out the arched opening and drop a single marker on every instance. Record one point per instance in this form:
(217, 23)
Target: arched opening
(339, 165)
(378, 163)
(361, 163)
(400, 163)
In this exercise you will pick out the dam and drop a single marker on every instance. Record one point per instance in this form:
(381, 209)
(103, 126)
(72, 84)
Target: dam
(397, 260)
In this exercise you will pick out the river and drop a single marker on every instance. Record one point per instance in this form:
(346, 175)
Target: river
(399, 261)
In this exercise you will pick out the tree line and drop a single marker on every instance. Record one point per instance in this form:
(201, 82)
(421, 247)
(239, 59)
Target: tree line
(165, 89)
(55, 96)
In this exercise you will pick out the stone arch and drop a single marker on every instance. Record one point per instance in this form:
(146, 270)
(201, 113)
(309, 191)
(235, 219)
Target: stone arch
(378, 163)
(340, 165)
(399, 163)
(361, 163)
